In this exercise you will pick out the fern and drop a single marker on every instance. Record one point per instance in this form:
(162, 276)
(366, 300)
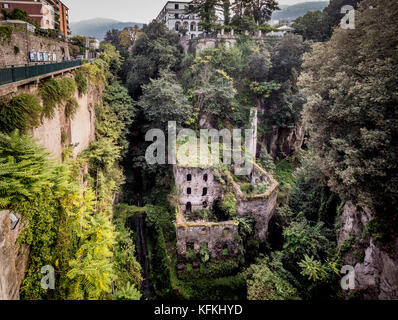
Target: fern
(24, 169)
(71, 107)
(81, 82)
(21, 112)
(55, 91)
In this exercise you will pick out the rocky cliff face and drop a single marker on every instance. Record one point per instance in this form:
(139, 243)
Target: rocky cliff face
(54, 134)
(284, 142)
(79, 131)
(376, 270)
(13, 258)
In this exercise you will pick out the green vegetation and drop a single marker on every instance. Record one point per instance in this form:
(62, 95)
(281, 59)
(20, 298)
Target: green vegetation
(16, 14)
(68, 223)
(318, 25)
(264, 283)
(57, 91)
(341, 88)
(21, 112)
(81, 82)
(357, 141)
(6, 33)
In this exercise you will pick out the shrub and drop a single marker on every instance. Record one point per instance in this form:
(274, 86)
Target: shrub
(81, 82)
(5, 33)
(51, 95)
(264, 283)
(21, 112)
(55, 91)
(71, 108)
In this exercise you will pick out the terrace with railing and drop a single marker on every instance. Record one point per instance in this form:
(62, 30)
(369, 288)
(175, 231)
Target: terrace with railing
(19, 73)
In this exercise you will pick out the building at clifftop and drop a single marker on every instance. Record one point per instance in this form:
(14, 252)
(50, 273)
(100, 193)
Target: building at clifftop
(48, 14)
(174, 16)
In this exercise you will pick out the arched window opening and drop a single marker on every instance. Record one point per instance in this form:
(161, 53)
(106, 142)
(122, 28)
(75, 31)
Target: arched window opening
(206, 177)
(189, 207)
(189, 177)
(189, 191)
(204, 192)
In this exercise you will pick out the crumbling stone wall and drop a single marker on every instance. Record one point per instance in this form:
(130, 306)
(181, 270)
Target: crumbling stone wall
(201, 190)
(262, 210)
(221, 235)
(260, 207)
(78, 131)
(217, 236)
(26, 42)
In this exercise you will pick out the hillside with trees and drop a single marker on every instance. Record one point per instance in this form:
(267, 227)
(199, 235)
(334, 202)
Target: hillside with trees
(327, 132)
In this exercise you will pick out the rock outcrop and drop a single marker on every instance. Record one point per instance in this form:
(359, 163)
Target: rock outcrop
(284, 142)
(376, 271)
(13, 258)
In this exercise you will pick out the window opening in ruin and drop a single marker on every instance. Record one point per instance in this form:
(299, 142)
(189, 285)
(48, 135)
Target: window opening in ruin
(205, 204)
(205, 177)
(189, 191)
(190, 246)
(204, 192)
(189, 207)
(189, 177)
(225, 251)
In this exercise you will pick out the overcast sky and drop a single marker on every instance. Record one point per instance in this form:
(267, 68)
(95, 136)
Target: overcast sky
(124, 10)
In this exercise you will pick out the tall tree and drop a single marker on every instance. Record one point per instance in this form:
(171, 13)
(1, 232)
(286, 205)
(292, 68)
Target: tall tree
(351, 114)
(207, 11)
(259, 10)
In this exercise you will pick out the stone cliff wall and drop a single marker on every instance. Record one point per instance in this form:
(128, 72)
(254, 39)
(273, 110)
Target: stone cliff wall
(15, 51)
(13, 258)
(79, 131)
(284, 142)
(376, 270)
(53, 134)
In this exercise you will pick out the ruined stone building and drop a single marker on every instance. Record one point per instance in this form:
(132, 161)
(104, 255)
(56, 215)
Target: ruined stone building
(199, 190)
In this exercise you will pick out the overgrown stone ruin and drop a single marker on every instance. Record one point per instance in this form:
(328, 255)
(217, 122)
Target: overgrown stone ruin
(199, 226)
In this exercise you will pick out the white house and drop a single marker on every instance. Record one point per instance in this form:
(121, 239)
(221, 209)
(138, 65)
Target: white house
(174, 16)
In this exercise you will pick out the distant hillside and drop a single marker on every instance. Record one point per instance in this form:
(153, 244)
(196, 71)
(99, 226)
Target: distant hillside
(298, 10)
(98, 27)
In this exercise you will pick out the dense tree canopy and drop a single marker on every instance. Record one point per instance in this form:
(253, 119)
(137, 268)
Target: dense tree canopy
(156, 49)
(351, 113)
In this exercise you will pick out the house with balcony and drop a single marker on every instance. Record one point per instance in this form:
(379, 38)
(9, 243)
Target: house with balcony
(47, 14)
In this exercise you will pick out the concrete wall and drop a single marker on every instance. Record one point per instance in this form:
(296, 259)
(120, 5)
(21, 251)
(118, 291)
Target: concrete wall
(27, 42)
